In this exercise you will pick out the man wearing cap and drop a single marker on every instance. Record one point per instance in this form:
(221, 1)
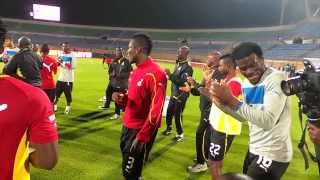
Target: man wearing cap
(25, 65)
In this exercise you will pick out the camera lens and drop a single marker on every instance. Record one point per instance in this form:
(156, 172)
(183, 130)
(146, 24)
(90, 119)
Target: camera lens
(292, 86)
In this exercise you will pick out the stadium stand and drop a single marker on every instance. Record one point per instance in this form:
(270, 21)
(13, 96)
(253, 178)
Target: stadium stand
(289, 51)
(94, 38)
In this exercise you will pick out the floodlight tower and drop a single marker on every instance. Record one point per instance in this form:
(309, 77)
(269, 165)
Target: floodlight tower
(314, 8)
(283, 9)
(307, 9)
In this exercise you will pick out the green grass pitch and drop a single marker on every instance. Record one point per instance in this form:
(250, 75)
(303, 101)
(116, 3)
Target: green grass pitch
(89, 141)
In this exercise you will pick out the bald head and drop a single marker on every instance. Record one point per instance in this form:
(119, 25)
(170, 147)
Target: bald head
(183, 53)
(24, 42)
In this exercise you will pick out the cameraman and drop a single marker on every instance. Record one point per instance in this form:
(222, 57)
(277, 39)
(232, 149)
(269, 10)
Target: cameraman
(267, 110)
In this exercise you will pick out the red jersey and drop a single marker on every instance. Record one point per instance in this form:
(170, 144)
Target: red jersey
(144, 103)
(25, 116)
(49, 68)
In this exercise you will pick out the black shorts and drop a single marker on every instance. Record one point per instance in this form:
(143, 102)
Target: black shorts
(219, 144)
(132, 162)
(259, 167)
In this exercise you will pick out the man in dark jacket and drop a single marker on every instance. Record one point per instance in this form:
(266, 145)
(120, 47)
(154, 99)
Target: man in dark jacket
(25, 65)
(210, 71)
(178, 98)
(119, 72)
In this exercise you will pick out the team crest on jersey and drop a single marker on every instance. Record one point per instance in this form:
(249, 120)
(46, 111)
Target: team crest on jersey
(139, 83)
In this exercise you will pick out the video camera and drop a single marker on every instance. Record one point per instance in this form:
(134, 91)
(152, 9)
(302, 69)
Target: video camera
(306, 86)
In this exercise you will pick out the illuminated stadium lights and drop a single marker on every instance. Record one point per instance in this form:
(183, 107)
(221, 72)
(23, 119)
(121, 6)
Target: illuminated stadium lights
(46, 12)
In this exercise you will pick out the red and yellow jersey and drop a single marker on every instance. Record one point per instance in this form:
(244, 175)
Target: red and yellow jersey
(223, 122)
(26, 116)
(49, 68)
(146, 94)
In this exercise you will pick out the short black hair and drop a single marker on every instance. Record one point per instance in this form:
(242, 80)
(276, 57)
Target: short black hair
(144, 41)
(228, 58)
(45, 49)
(246, 49)
(3, 32)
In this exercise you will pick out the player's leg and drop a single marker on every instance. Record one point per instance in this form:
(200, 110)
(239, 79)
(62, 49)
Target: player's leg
(178, 117)
(169, 116)
(116, 111)
(132, 162)
(109, 92)
(263, 168)
(51, 94)
(219, 145)
(201, 145)
(68, 93)
(150, 145)
(59, 91)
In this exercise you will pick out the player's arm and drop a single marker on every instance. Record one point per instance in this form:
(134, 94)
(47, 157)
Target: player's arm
(42, 132)
(45, 156)
(195, 90)
(158, 94)
(120, 98)
(55, 66)
(180, 80)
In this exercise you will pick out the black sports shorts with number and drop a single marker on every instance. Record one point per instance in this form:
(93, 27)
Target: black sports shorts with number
(219, 144)
(262, 168)
(132, 162)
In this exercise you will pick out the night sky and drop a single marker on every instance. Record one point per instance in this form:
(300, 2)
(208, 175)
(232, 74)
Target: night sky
(163, 13)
